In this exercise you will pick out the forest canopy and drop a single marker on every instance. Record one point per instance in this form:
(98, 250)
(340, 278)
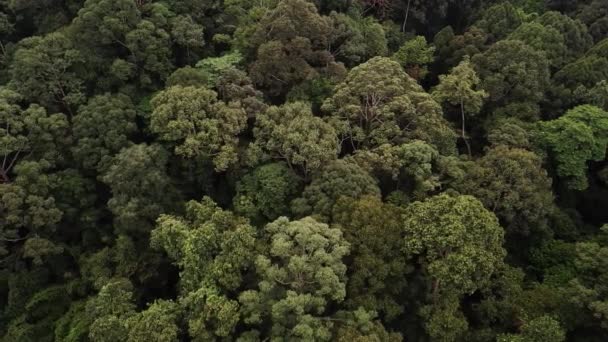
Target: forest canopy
(303, 170)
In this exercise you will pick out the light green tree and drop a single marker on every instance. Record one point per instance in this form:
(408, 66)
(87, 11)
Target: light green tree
(458, 244)
(213, 249)
(459, 88)
(301, 275)
(579, 136)
(414, 55)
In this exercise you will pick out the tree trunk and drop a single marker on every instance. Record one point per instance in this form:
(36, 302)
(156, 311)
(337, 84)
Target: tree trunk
(464, 134)
(4, 176)
(407, 13)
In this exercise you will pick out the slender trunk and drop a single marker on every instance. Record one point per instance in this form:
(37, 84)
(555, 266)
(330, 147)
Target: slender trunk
(4, 176)
(464, 134)
(407, 13)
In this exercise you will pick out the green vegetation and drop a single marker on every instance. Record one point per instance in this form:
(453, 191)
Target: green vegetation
(303, 170)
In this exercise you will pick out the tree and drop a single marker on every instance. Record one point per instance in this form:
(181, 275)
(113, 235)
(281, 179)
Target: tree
(451, 48)
(379, 103)
(378, 268)
(301, 275)
(187, 33)
(458, 245)
(198, 124)
(213, 249)
(290, 43)
(500, 20)
(543, 38)
(29, 132)
(266, 192)
(44, 71)
(141, 189)
(413, 165)
(29, 211)
(540, 329)
(338, 179)
(356, 38)
(590, 292)
(512, 183)
(156, 323)
(594, 16)
(458, 89)
(512, 77)
(150, 52)
(114, 301)
(414, 55)
(101, 129)
(576, 36)
(292, 134)
(575, 138)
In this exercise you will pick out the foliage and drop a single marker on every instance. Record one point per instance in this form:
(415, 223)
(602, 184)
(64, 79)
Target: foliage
(379, 103)
(292, 134)
(198, 124)
(300, 277)
(575, 138)
(306, 170)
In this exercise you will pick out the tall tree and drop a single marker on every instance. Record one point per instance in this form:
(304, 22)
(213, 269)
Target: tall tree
(458, 245)
(378, 268)
(141, 188)
(459, 89)
(379, 103)
(101, 129)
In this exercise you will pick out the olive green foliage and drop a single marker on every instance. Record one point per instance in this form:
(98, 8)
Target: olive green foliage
(290, 43)
(303, 170)
(513, 73)
(379, 103)
(356, 38)
(338, 179)
(141, 189)
(266, 191)
(513, 184)
(500, 20)
(292, 134)
(374, 231)
(44, 70)
(198, 124)
(102, 128)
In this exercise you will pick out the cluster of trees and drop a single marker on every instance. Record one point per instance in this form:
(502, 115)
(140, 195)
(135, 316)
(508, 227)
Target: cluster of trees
(303, 170)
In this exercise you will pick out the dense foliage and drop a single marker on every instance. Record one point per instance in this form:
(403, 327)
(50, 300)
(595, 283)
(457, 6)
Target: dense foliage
(303, 170)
